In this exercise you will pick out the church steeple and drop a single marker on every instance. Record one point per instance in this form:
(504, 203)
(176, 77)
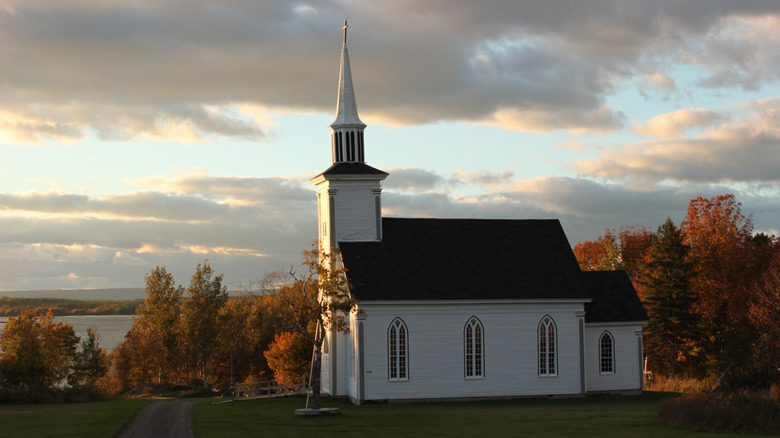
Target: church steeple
(349, 192)
(347, 130)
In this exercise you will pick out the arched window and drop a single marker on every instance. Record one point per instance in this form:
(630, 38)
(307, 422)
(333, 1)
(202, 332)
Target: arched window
(547, 341)
(351, 350)
(474, 341)
(607, 353)
(398, 350)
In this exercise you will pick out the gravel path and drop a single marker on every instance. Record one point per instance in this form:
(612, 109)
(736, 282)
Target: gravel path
(162, 419)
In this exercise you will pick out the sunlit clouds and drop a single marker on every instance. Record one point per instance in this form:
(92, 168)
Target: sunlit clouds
(145, 133)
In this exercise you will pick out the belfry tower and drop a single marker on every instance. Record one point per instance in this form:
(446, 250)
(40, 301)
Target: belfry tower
(349, 206)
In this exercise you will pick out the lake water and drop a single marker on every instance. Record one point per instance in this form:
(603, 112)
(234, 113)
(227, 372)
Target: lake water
(111, 328)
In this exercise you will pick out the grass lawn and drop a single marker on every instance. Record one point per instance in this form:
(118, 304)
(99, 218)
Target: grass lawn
(83, 420)
(595, 416)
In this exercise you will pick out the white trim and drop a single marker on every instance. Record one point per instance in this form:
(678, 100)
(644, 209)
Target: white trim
(612, 324)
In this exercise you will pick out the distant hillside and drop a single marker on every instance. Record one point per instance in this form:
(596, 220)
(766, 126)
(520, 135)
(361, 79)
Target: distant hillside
(62, 306)
(123, 293)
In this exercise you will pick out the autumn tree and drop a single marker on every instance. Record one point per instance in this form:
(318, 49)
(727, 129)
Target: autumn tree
(616, 250)
(719, 236)
(602, 254)
(157, 320)
(764, 314)
(90, 363)
(635, 245)
(205, 297)
(37, 352)
(132, 361)
(313, 301)
(670, 335)
(289, 355)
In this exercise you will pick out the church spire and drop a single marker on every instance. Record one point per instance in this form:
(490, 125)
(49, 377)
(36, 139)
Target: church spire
(347, 129)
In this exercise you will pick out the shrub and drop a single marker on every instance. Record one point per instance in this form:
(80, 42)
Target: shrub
(741, 411)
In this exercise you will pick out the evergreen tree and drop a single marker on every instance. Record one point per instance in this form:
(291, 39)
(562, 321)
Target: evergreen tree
(670, 334)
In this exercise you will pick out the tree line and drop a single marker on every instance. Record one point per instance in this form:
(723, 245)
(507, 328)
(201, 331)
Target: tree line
(197, 336)
(711, 288)
(11, 306)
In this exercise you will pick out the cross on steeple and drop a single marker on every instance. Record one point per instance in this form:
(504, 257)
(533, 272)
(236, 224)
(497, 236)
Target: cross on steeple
(345, 31)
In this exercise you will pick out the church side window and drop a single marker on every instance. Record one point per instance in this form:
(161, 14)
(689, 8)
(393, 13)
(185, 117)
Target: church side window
(547, 345)
(474, 347)
(398, 354)
(607, 353)
(351, 348)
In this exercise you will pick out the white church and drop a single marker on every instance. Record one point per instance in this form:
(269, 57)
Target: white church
(463, 308)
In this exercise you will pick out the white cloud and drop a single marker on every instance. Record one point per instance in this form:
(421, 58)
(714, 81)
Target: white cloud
(658, 80)
(743, 149)
(154, 70)
(678, 122)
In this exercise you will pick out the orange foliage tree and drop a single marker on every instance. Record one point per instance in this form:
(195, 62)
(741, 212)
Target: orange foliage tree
(719, 236)
(622, 250)
(764, 316)
(312, 302)
(289, 355)
(37, 353)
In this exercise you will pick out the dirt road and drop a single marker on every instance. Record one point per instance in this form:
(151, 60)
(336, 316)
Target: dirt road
(162, 419)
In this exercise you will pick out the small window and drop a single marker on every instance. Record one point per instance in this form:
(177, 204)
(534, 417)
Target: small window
(398, 354)
(607, 354)
(473, 336)
(547, 360)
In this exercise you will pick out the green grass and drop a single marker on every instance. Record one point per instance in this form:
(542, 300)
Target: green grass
(595, 416)
(83, 420)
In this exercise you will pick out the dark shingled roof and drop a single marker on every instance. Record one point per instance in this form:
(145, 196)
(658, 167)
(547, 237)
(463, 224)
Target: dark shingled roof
(614, 298)
(476, 259)
(461, 259)
(352, 169)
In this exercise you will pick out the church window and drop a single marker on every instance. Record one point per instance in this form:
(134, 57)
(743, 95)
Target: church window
(547, 341)
(474, 346)
(398, 354)
(351, 348)
(325, 345)
(606, 354)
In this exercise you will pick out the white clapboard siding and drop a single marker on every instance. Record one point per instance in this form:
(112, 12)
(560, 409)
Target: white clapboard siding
(356, 211)
(628, 370)
(436, 350)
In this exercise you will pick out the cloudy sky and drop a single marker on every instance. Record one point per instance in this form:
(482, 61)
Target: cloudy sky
(145, 133)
